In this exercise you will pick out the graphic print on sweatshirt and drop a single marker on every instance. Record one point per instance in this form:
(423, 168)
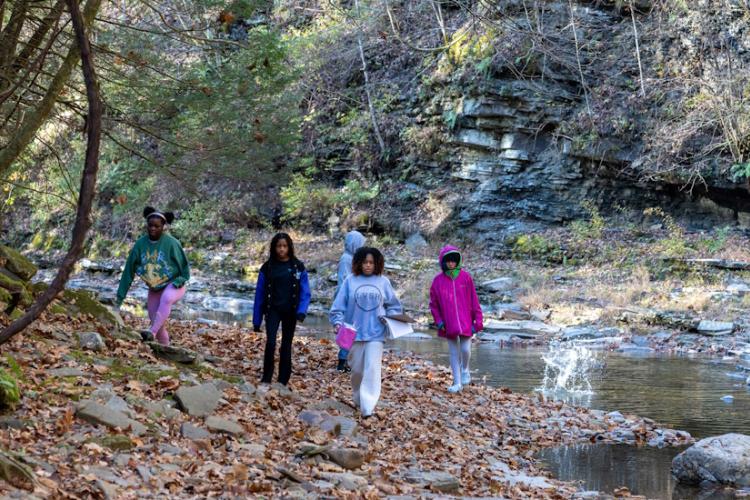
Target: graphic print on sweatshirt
(154, 268)
(368, 297)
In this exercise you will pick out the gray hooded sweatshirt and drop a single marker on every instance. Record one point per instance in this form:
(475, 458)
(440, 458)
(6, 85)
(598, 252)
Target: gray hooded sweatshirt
(353, 241)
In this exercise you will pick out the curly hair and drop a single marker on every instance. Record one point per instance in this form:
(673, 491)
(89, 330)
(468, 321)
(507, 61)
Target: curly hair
(359, 259)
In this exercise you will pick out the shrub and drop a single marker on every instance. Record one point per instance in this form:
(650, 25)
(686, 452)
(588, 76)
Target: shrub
(589, 229)
(199, 226)
(674, 244)
(10, 394)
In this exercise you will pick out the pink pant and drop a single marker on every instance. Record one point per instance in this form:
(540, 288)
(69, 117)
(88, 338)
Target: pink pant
(159, 306)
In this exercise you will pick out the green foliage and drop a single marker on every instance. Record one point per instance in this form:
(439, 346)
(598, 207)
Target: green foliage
(310, 202)
(473, 46)
(740, 171)
(10, 394)
(199, 225)
(591, 229)
(536, 247)
(674, 244)
(450, 117)
(14, 367)
(718, 241)
(196, 258)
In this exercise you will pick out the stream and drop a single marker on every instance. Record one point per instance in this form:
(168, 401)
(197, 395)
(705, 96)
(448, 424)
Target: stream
(680, 392)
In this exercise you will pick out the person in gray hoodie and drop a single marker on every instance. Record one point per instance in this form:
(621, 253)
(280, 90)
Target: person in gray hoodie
(353, 241)
(364, 299)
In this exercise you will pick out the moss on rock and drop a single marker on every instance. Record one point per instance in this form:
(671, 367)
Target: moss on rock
(11, 282)
(17, 263)
(83, 302)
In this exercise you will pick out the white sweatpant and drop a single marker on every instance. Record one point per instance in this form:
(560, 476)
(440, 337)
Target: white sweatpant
(365, 360)
(460, 352)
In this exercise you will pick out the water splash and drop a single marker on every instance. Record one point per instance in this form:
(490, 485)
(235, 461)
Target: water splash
(567, 372)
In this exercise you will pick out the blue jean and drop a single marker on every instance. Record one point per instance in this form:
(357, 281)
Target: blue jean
(343, 353)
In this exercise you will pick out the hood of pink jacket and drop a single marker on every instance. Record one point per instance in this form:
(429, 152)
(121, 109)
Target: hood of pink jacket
(445, 251)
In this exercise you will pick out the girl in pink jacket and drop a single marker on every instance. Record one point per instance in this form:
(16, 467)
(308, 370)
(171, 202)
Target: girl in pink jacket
(455, 308)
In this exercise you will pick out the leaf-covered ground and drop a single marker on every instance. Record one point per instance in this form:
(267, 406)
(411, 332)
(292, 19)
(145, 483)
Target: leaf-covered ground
(296, 443)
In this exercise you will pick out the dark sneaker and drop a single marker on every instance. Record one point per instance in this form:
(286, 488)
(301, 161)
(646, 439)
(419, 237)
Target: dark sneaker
(342, 366)
(147, 336)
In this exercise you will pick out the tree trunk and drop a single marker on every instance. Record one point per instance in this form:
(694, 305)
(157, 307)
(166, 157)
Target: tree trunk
(88, 179)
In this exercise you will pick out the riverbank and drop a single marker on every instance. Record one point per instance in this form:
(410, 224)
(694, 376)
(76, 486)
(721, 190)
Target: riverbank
(259, 440)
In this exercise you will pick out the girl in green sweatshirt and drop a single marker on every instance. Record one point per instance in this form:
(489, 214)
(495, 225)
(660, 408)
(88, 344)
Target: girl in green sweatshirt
(159, 260)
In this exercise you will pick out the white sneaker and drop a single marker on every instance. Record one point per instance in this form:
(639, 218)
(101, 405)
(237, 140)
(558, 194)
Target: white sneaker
(454, 388)
(465, 377)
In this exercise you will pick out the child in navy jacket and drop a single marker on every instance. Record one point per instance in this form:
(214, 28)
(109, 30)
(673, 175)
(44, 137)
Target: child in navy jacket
(282, 296)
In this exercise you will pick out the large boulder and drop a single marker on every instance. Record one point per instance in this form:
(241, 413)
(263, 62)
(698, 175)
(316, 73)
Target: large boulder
(16, 263)
(721, 459)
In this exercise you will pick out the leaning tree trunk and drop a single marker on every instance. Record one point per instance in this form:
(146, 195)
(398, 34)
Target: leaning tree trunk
(88, 180)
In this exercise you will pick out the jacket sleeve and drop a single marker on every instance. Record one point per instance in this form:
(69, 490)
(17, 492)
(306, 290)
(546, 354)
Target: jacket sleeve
(260, 297)
(476, 309)
(435, 303)
(127, 275)
(338, 308)
(342, 272)
(183, 266)
(304, 293)
(390, 302)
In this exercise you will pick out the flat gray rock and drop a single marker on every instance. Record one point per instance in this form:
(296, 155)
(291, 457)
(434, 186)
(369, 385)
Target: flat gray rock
(714, 328)
(199, 400)
(193, 432)
(99, 414)
(224, 425)
(442, 482)
(416, 243)
(498, 285)
(175, 354)
(67, 372)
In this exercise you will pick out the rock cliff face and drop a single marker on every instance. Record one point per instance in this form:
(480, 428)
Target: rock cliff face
(522, 138)
(563, 109)
(524, 175)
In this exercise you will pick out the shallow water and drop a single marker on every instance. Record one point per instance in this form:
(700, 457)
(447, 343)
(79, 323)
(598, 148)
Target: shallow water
(680, 392)
(645, 471)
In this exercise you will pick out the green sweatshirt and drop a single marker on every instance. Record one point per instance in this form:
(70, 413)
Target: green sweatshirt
(159, 263)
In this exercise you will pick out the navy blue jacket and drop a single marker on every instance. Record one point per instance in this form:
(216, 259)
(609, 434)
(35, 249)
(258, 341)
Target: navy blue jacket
(300, 292)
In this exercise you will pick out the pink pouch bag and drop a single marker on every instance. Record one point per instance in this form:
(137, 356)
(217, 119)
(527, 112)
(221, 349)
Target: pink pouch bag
(346, 335)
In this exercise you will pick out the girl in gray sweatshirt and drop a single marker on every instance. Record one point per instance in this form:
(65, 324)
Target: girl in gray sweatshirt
(364, 299)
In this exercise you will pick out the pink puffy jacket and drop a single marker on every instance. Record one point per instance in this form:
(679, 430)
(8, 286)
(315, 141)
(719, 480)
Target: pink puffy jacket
(454, 302)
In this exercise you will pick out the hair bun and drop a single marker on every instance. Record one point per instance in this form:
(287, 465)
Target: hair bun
(148, 211)
(169, 216)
